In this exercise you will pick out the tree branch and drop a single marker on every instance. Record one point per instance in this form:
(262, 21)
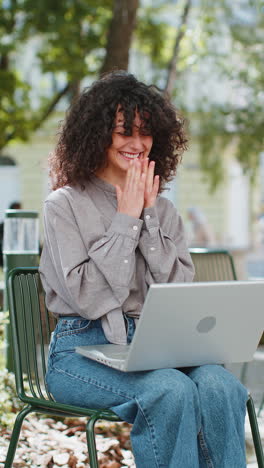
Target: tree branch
(172, 68)
(47, 111)
(51, 106)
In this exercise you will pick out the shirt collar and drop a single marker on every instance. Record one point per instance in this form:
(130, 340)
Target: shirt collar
(102, 184)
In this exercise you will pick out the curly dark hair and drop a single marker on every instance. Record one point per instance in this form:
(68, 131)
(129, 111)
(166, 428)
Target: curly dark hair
(87, 131)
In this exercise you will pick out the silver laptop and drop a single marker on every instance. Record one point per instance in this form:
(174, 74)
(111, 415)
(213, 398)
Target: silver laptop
(190, 324)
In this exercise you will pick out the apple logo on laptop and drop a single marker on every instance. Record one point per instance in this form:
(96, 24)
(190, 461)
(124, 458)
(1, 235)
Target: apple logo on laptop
(206, 324)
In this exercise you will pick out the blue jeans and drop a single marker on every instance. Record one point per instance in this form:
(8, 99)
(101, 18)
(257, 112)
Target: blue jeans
(186, 418)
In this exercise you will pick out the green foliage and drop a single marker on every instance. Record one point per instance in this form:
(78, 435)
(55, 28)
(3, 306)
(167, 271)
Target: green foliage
(212, 146)
(226, 38)
(14, 93)
(70, 45)
(67, 33)
(153, 34)
(242, 120)
(78, 30)
(223, 126)
(15, 116)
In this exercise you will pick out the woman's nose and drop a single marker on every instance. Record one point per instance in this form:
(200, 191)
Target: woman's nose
(136, 142)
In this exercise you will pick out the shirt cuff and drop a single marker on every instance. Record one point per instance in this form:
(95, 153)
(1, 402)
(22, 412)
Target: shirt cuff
(126, 225)
(150, 219)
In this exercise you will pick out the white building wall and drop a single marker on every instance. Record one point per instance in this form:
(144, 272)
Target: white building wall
(10, 188)
(171, 191)
(238, 210)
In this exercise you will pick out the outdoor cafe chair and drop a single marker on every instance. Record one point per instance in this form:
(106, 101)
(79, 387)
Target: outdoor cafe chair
(31, 328)
(218, 265)
(213, 264)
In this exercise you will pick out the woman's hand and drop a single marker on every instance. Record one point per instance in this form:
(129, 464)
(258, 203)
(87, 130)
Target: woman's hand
(151, 183)
(130, 200)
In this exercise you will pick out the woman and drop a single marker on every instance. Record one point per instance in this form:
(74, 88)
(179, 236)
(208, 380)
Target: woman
(108, 236)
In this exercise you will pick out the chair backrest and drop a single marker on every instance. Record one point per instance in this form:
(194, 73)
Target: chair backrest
(213, 265)
(31, 327)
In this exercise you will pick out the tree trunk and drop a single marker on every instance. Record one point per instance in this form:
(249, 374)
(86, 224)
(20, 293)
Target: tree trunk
(172, 68)
(4, 62)
(120, 35)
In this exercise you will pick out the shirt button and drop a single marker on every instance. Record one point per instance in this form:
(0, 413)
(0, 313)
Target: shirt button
(135, 228)
(152, 248)
(147, 217)
(125, 261)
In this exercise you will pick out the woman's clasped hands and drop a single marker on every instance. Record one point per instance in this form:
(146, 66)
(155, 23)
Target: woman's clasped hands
(140, 189)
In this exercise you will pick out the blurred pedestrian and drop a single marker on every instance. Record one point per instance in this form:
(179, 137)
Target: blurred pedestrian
(201, 232)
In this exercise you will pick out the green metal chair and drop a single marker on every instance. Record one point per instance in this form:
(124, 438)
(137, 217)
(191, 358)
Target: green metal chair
(31, 327)
(218, 265)
(213, 265)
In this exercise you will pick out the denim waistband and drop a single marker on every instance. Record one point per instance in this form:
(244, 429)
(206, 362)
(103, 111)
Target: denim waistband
(71, 317)
(96, 323)
(129, 322)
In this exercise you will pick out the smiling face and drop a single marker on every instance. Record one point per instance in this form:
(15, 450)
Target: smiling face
(124, 148)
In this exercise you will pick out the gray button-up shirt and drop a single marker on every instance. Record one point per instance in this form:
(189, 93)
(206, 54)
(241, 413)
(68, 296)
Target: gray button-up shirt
(98, 263)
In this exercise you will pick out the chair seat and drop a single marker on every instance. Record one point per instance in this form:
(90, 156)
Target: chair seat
(42, 403)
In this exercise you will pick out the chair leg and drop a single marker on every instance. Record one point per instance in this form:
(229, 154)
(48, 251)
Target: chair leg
(255, 432)
(90, 435)
(15, 435)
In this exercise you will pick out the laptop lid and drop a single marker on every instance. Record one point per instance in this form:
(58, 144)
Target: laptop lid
(188, 324)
